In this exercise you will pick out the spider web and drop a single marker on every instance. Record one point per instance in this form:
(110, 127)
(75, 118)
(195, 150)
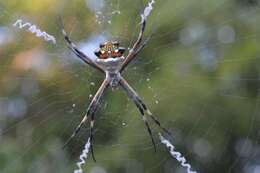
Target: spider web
(199, 74)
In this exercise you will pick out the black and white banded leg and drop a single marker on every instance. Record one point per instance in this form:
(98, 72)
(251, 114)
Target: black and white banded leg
(76, 51)
(142, 108)
(137, 47)
(93, 106)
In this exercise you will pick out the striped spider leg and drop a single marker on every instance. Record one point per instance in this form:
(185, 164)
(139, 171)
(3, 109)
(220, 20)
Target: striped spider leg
(76, 51)
(92, 108)
(137, 47)
(142, 108)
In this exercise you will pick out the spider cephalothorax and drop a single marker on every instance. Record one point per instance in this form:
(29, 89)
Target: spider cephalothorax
(109, 50)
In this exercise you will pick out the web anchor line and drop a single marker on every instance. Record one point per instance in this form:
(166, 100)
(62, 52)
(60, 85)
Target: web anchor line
(83, 157)
(33, 29)
(177, 155)
(148, 9)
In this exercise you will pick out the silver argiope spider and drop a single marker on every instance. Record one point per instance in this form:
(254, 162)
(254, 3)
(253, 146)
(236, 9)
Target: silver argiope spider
(111, 62)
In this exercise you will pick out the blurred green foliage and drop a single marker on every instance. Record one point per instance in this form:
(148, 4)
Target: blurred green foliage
(199, 74)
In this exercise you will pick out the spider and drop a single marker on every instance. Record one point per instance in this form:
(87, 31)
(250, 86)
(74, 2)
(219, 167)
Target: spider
(111, 62)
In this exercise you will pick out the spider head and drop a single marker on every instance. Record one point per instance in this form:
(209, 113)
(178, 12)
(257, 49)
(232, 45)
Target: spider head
(109, 50)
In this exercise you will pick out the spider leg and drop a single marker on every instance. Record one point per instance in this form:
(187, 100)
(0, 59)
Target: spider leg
(135, 53)
(153, 117)
(139, 101)
(76, 51)
(76, 131)
(91, 135)
(132, 94)
(92, 108)
(136, 47)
